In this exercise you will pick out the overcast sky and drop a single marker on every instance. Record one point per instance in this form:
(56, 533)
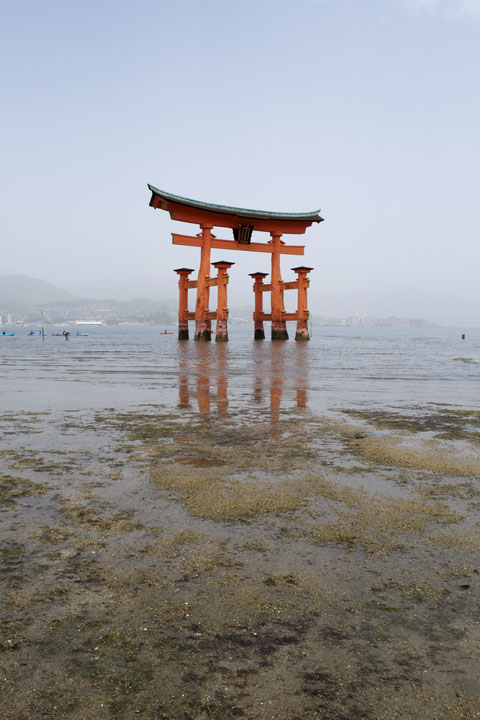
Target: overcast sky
(367, 109)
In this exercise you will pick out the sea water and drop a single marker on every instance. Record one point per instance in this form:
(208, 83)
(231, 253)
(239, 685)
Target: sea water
(341, 367)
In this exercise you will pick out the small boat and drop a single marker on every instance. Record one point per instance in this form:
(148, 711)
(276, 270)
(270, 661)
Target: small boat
(69, 334)
(35, 332)
(8, 334)
(167, 332)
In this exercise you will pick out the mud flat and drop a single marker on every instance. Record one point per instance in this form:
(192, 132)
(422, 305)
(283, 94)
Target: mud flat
(268, 565)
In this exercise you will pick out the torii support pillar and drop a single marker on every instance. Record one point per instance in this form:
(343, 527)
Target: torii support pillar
(302, 311)
(183, 285)
(202, 322)
(222, 309)
(259, 332)
(279, 326)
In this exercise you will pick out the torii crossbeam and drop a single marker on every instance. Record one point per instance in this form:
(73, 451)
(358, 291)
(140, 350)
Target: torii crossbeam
(243, 222)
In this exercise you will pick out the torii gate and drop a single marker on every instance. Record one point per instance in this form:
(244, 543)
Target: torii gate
(243, 222)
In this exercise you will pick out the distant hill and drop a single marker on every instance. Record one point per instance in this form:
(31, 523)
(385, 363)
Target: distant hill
(30, 291)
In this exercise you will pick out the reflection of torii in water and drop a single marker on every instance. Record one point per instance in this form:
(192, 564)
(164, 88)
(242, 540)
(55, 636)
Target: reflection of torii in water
(203, 383)
(209, 365)
(279, 379)
(211, 368)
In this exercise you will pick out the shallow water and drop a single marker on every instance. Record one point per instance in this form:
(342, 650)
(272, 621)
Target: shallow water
(266, 563)
(341, 367)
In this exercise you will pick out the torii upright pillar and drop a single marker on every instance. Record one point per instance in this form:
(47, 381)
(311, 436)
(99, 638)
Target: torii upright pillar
(279, 325)
(183, 285)
(302, 310)
(222, 309)
(259, 332)
(202, 323)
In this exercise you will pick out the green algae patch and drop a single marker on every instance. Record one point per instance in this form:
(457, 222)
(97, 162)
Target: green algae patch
(171, 546)
(463, 708)
(100, 654)
(11, 551)
(377, 524)
(452, 424)
(36, 463)
(463, 491)
(428, 455)
(238, 602)
(469, 541)
(419, 592)
(227, 471)
(144, 426)
(208, 495)
(398, 513)
(52, 535)
(97, 517)
(354, 535)
(195, 553)
(231, 442)
(12, 487)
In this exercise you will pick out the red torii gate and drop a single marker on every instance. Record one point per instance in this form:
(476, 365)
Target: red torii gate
(243, 222)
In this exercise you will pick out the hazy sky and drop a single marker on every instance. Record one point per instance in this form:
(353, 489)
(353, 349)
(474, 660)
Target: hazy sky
(367, 109)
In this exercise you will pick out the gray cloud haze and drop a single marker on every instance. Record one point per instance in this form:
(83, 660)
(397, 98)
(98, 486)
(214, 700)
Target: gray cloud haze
(367, 110)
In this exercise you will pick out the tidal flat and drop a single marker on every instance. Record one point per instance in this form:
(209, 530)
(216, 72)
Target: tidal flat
(265, 565)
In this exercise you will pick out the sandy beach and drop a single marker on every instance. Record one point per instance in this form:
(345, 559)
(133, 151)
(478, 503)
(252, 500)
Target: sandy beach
(265, 565)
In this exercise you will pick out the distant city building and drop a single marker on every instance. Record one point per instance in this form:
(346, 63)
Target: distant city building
(89, 322)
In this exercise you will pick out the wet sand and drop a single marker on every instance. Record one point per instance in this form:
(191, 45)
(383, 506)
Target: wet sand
(267, 564)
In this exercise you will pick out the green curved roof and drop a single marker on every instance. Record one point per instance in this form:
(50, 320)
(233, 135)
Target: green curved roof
(312, 216)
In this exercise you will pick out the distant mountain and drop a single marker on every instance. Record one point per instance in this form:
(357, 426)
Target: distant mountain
(30, 291)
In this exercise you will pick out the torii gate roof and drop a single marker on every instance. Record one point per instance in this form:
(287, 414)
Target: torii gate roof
(188, 210)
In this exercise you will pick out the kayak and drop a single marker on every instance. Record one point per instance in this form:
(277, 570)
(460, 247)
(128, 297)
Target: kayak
(166, 333)
(8, 334)
(70, 334)
(37, 332)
